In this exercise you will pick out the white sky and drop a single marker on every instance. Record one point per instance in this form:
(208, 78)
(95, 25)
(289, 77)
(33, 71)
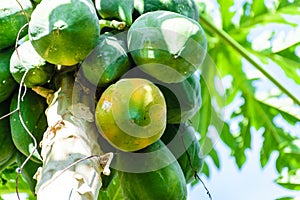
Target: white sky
(251, 183)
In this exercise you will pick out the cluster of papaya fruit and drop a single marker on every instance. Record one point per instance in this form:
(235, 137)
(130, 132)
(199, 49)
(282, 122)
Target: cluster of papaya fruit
(143, 55)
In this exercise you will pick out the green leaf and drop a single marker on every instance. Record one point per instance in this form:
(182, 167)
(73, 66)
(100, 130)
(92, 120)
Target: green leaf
(205, 169)
(227, 13)
(258, 8)
(113, 192)
(286, 198)
(8, 183)
(291, 180)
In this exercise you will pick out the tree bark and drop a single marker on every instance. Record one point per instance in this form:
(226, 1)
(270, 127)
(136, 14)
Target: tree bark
(70, 138)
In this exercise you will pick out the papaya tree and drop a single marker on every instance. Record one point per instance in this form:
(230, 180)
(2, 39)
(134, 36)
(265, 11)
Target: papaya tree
(126, 99)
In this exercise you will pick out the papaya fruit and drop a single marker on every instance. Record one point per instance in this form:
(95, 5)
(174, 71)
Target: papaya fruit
(64, 32)
(7, 148)
(32, 110)
(167, 45)
(25, 58)
(131, 114)
(183, 99)
(12, 19)
(184, 7)
(7, 82)
(28, 171)
(166, 182)
(107, 62)
(117, 9)
(182, 141)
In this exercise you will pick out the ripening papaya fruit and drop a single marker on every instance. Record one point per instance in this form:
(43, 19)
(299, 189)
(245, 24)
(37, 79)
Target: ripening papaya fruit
(7, 82)
(182, 141)
(166, 182)
(12, 19)
(26, 59)
(32, 110)
(64, 32)
(7, 148)
(117, 9)
(107, 62)
(131, 114)
(167, 45)
(184, 7)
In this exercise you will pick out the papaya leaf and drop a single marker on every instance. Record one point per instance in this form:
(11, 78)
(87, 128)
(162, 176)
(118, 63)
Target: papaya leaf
(258, 7)
(286, 198)
(215, 158)
(8, 183)
(205, 169)
(227, 13)
(289, 155)
(291, 180)
(286, 3)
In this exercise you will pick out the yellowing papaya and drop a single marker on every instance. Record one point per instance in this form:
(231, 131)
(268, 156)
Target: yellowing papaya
(12, 19)
(166, 183)
(131, 114)
(64, 31)
(32, 110)
(7, 82)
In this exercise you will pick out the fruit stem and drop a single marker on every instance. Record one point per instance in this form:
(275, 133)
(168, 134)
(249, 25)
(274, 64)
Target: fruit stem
(112, 24)
(44, 92)
(243, 52)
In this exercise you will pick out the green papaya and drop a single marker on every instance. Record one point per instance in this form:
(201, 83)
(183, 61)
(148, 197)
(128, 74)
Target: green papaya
(117, 9)
(184, 7)
(25, 58)
(32, 110)
(63, 32)
(107, 62)
(7, 148)
(28, 171)
(7, 82)
(12, 19)
(166, 182)
(167, 45)
(183, 99)
(182, 141)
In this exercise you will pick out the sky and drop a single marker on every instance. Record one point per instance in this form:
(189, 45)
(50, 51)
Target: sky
(249, 183)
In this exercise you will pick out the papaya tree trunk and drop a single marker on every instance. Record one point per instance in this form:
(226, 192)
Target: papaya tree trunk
(70, 138)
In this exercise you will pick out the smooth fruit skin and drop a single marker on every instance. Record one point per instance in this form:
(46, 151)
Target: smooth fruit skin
(167, 45)
(12, 19)
(7, 148)
(7, 82)
(182, 141)
(64, 32)
(165, 183)
(131, 114)
(116, 9)
(27, 59)
(107, 62)
(184, 7)
(183, 99)
(32, 110)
